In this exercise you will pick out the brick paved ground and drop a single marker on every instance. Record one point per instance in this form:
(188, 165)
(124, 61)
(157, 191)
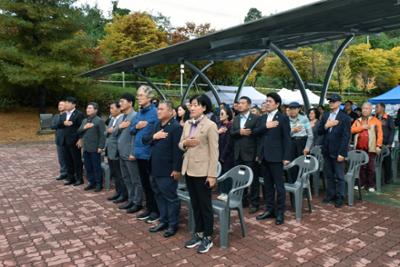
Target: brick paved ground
(43, 223)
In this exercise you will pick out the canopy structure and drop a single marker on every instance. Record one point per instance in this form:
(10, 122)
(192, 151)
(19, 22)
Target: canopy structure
(227, 94)
(295, 96)
(390, 97)
(315, 23)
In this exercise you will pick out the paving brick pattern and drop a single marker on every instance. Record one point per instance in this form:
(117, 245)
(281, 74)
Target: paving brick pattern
(43, 223)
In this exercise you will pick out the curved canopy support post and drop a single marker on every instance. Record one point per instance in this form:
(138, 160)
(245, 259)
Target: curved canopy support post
(193, 80)
(295, 74)
(205, 79)
(149, 82)
(248, 72)
(332, 66)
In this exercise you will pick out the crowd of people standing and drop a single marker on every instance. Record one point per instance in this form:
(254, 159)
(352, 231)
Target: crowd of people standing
(149, 150)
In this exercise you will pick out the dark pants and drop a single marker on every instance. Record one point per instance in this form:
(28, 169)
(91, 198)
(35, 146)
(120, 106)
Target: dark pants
(200, 199)
(130, 176)
(296, 149)
(167, 200)
(61, 161)
(274, 183)
(254, 194)
(334, 171)
(115, 172)
(73, 160)
(367, 172)
(144, 172)
(92, 161)
(387, 168)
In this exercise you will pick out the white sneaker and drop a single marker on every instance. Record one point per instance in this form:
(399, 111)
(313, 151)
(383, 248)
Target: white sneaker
(223, 197)
(356, 188)
(372, 190)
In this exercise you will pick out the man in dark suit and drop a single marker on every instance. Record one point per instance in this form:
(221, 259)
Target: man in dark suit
(59, 136)
(70, 121)
(335, 128)
(245, 148)
(164, 140)
(274, 131)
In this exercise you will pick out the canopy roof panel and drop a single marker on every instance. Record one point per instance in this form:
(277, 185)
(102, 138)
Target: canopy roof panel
(315, 23)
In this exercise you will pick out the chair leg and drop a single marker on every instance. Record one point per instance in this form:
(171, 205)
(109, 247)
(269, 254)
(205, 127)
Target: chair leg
(309, 199)
(350, 191)
(241, 218)
(223, 226)
(298, 196)
(378, 179)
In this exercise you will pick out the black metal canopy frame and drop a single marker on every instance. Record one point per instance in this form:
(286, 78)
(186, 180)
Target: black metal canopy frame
(315, 23)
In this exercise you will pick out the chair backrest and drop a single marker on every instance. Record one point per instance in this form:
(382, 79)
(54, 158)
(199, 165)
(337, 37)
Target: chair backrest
(307, 165)
(356, 159)
(242, 177)
(219, 169)
(316, 151)
(379, 157)
(45, 121)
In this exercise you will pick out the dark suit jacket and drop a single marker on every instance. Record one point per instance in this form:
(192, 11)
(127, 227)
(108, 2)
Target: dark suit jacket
(70, 133)
(275, 142)
(166, 156)
(245, 147)
(59, 134)
(336, 142)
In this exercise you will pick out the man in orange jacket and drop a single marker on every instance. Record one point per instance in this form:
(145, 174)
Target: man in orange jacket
(368, 137)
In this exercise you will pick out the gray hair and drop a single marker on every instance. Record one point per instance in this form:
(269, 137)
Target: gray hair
(147, 90)
(167, 103)
(367, 104)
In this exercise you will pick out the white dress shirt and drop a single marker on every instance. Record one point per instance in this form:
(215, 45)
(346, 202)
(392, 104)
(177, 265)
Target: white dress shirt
(69, 113)
(271, 115)
(243, 119)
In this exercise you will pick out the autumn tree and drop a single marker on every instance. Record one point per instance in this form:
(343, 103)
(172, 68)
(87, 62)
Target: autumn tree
(131, 35)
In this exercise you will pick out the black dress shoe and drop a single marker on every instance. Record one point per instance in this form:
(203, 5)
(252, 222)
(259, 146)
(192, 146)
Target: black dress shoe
(126, 206)
(280, 218)
(78, 183)
(328, 200)
(89, 187)
(159, 227)
(134, 208)
(253, 209)
(121, 199)
(339, 203)
(170, 232)
(266, 215)
(114, 197)
(98, 189)
(71, 182)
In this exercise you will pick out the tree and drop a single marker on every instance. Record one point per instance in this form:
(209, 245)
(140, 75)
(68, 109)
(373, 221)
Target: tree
(131, 35)
(94, 22)
(42, 47)
(253, 14)
(190, 31)
(116, 11)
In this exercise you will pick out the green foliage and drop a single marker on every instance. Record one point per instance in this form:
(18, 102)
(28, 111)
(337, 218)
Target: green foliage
(253, 14)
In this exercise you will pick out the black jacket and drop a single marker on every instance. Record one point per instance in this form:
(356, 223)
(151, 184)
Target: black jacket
(275, 142)
(388, 129)
(336, 141)
(165, 154)
(70, 133)
(93, 138)
(245, 147)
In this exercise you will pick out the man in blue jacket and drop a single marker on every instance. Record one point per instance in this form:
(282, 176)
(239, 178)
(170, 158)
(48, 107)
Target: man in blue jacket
(335, 127)
(166, 163)
(141, 126)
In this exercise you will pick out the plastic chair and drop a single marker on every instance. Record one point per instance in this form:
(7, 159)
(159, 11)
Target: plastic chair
(316, 176)
(183, 195)
(355, 159)
(106, 174)
(242, 177)
(378, 167)
(307, 165)
(395, 162)
(45, 120)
